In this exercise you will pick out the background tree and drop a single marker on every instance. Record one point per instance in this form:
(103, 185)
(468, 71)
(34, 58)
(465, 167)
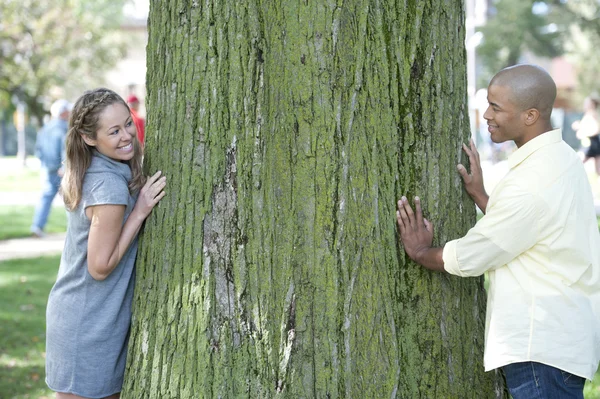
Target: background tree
(287, 131)
(515, 27)
(582, 41)
(547, 29)
(6, 110)
(63, 43)
(585, 13)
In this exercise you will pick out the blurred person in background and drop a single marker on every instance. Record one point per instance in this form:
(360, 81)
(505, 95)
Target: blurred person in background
(134, 106)
(588, 131)
(50, 149)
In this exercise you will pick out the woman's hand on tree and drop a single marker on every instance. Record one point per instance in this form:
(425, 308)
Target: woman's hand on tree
(151, 194)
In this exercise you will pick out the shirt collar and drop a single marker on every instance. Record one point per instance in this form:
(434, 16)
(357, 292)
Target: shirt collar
(101, 163)
(551, 137)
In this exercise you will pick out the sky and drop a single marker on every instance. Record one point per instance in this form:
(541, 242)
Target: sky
(137, 8)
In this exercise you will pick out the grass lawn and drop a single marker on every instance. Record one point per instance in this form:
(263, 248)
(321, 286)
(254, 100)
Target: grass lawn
(24, 288)
(18, 178)
(16, 220)
(592, 389)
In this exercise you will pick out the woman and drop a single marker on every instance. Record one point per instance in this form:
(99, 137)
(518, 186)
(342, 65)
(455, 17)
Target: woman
(107, 199)
(588, 131)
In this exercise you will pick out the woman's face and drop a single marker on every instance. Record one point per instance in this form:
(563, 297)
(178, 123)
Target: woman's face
(115, 134)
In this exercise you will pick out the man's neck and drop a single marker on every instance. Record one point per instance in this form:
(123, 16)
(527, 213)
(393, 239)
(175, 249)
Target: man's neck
(533, 133)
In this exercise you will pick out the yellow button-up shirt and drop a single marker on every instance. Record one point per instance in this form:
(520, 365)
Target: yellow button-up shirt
(539, 241)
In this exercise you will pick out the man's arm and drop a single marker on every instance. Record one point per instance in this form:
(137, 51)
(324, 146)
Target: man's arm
(474, 181)
(416, 234)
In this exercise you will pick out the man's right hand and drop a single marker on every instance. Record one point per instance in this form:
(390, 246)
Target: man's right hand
(474, 181)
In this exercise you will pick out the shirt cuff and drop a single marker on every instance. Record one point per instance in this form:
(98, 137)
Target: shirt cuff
(449, 256)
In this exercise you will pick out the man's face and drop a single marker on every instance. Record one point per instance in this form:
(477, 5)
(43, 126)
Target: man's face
(503, 117)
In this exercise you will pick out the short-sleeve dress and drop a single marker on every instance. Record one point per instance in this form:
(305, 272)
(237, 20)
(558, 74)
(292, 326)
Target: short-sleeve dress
(87, 321)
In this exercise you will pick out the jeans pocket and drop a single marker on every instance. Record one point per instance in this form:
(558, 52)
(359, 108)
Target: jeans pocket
(572, 379)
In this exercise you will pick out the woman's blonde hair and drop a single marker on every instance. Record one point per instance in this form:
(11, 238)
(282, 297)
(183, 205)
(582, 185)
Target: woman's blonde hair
(84, 121)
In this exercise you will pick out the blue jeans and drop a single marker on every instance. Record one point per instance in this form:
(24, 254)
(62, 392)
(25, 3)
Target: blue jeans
(50, 185)
(532, 380)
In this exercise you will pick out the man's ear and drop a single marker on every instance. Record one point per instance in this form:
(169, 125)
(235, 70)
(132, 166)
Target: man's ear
(531, 116)
(88, 140)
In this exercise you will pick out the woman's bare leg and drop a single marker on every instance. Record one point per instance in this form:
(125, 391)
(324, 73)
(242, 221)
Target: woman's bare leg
(597, 161)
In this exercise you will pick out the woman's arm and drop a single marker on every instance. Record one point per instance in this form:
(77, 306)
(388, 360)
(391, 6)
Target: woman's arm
(109, 238)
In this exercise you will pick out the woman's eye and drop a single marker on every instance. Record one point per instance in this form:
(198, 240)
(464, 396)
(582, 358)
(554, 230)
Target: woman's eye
(129, 123)
(115, 131)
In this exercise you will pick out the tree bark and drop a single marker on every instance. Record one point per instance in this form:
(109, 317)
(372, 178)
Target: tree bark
(272, 268)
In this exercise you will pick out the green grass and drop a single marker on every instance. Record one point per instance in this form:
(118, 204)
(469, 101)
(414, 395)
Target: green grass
(592, 388)
(15, 221)
(20, 179)
(24, 288)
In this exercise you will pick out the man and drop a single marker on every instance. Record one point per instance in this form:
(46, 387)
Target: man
(134, 106)
(538, 241)
(50, 149)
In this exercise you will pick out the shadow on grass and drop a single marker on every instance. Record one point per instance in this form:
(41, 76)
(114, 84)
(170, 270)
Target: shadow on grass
(24, 288)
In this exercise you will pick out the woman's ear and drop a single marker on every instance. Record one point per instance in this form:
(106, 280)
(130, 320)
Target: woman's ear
(88, 140)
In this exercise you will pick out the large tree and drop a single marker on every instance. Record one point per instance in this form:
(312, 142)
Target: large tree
(288, 130)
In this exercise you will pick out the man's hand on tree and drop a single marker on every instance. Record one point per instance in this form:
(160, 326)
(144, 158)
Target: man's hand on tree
(474, 181)
(416, 232)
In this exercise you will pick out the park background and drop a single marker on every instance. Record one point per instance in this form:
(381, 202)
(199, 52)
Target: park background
(102, 43)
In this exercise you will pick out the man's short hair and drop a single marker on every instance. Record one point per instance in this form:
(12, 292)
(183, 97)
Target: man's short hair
(531, 86)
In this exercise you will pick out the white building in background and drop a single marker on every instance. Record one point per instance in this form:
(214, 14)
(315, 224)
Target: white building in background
(129, 75)
(476, 16)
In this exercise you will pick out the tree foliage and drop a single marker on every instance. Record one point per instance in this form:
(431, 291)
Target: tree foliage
(66, 44)
(543, 28)
(582, 42)
(515, 27)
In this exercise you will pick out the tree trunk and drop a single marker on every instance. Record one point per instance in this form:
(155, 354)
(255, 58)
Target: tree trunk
(21, 122)
(287, 131)
(2, 137)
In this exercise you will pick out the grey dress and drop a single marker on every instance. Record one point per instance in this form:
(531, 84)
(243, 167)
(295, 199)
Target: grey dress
(87, 321)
